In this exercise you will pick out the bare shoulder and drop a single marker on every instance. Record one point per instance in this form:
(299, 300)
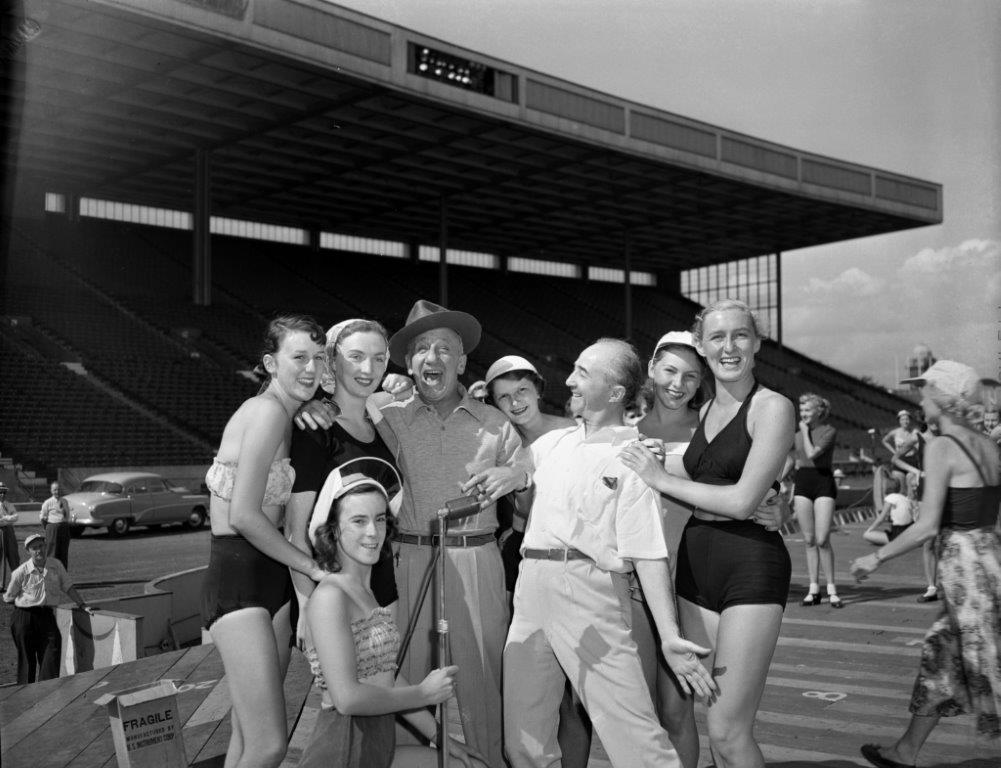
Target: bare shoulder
(330, 594)
(769, 403)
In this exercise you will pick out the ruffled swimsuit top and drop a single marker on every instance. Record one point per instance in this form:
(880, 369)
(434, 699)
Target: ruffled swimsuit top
(377, 641)
(222, 474)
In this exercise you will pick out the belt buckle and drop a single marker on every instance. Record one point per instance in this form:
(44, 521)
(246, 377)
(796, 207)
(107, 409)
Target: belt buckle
(566, 554)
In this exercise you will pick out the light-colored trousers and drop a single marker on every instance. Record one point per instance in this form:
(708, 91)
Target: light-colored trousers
(572, 619)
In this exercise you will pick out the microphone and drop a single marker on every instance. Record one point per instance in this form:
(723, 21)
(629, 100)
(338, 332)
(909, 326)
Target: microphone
(456, 509)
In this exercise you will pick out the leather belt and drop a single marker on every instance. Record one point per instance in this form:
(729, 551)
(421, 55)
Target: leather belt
(554, 554)
(451, 540)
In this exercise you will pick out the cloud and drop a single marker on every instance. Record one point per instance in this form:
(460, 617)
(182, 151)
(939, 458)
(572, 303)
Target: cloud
(948, 297)
(851, 282)
(981, 255)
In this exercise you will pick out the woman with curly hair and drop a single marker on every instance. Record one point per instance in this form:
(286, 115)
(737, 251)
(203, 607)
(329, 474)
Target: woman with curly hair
(247, 590)
(959, 671)
(816, 490)
(352, 641)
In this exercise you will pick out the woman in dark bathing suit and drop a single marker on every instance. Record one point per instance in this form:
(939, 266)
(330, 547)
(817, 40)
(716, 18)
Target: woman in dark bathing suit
(733, 574)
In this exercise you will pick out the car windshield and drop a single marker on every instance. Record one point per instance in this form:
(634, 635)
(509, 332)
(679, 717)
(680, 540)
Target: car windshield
(99, 486)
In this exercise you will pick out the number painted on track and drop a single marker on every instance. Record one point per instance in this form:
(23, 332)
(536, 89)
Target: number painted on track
(825, 695)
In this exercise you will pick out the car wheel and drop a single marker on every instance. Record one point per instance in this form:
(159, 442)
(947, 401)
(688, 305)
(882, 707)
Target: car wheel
(119, 526)
(196, 519)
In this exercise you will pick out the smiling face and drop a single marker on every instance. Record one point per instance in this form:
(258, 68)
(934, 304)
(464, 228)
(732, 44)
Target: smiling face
(676, 373)
(517, 398)
(435, 361)
(360, 363)
(729, 343)
(904, 420)
(807, 411)
(591, 390)
(297, 365)
(362, 520)
(991, 420)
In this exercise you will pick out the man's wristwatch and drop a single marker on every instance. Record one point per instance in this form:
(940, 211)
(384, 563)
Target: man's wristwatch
(528, 483)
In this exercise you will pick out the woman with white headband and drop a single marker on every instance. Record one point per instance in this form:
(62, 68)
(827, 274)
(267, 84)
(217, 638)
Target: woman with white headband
(352, 641)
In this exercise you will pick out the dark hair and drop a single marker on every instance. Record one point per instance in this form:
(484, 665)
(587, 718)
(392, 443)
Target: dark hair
(325, 544)
(357, 326)
(275, 333)
(706, 381)
(536, 379)
(625, 368)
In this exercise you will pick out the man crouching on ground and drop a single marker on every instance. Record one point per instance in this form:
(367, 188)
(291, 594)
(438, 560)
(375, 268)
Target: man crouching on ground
(592, 522)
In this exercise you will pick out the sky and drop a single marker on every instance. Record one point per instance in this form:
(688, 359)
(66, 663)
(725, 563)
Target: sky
(909, 86)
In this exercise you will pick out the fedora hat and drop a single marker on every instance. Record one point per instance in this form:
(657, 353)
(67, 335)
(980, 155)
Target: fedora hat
(424, 316)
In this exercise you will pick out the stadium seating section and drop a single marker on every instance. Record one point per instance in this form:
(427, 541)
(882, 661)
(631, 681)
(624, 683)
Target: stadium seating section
(117, 298)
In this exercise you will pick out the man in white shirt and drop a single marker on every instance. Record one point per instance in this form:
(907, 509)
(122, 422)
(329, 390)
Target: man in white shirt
(36, 587)
(9, 559)
(592, 522)
(56, 517)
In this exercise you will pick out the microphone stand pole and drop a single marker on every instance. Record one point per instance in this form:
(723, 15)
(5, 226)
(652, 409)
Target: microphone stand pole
(442, 636)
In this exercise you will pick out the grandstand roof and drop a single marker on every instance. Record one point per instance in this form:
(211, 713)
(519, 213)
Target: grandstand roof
(318, 116)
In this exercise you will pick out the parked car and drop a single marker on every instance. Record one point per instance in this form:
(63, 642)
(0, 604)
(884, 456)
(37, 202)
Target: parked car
(119, 500)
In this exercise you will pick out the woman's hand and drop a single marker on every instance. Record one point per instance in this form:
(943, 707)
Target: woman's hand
(397, 384)
(773, 512)
(861, 567)
(439, 685)
(643, 462)
(315, 414)
(682, 656)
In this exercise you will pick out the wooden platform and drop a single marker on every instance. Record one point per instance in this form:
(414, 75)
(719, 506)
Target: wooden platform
(56, 723)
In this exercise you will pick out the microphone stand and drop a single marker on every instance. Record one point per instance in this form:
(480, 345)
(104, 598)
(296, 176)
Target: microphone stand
(454, 509)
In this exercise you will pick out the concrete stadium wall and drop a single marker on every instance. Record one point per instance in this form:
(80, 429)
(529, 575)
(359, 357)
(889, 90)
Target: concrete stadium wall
(185, 589)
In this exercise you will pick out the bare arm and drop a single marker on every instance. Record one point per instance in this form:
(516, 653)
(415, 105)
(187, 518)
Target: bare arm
(772, 433)
(258, 447)
(297, 514)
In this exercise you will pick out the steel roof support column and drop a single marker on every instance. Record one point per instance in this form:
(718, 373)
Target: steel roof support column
(442, 252)
(628, 284)
(202, 262)
(778, 297)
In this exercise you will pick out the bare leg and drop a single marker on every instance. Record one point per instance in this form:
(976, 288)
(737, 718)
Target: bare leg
(246, 643)
(745, 642)
(804, 516)
(823, 514)
(930, 564)
(907, 747)
(677, 711)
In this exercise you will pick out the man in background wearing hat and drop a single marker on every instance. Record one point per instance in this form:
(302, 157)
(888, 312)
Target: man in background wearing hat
(8, 538)
(35, 589)
(448, 444)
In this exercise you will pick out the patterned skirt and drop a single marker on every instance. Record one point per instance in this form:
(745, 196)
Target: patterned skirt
(960, 669)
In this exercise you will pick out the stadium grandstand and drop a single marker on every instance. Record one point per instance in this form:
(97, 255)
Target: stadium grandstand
(176, 171)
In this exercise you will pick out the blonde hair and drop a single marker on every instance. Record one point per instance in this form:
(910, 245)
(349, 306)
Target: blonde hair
(721, 306)
(820, 404)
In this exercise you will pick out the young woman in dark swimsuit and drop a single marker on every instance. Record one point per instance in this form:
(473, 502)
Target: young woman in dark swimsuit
(733, 574)
(247, 590)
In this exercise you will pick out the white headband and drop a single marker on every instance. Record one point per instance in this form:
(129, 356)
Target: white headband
(339, 482)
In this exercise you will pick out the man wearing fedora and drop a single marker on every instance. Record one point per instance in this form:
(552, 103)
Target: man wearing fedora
(35, 588)
(448, 444)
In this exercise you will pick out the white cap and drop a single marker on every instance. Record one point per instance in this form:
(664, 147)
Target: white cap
(507, 364)
(950, 378)
(681, 338)
(32, 539)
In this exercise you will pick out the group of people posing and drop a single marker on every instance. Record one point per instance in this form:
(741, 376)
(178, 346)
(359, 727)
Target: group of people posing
(644, 567)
